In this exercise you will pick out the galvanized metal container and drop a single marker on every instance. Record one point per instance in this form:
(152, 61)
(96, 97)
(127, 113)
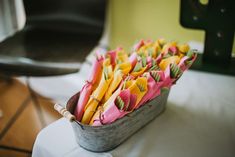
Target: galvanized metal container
(107, 137)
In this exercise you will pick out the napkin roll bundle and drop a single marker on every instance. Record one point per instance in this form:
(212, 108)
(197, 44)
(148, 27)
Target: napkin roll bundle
(120, 82)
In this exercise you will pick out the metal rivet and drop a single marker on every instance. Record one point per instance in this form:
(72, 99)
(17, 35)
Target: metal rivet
(222, 10)
(216, 53)
(195, 18)
(219, 34)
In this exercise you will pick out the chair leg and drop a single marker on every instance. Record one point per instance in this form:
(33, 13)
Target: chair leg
(36, 102)
(6, 78)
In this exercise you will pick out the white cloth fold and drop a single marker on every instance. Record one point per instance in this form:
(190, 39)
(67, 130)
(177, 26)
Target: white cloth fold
(198, 121)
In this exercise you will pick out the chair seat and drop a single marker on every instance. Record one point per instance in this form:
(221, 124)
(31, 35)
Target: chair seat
(45, 52)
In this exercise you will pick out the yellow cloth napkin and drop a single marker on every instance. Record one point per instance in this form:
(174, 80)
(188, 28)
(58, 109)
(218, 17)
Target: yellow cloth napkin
(97, 94)
(120, 70)
(105, 105)
(170, 60)
(139, 69)
(122, 56)
(138, 87)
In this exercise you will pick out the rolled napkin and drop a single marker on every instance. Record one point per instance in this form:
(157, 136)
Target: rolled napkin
(167, 61)
(155, 83)
(149, 48)
(121, 82)
(138, 45)
(183, 49)
(122, 56)
(97, 94)
(117, 108)
(112, 56)
(96, 70)
(159, 77)
(172, 73)
(150, 85)
(140, 67)
(83, 99)
(133, 59)
(85, 93)
(170, 48)
(124, 67)
(187, 60)
(137, 87)
(118, 76)
(174, 69)
(120, 70)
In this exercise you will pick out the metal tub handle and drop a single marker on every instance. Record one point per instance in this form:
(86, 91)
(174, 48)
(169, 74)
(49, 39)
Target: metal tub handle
(64, 112)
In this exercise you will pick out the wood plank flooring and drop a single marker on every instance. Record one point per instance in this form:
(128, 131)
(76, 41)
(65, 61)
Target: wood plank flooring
(20, 121)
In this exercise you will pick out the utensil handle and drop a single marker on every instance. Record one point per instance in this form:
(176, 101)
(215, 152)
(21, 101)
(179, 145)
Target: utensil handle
(64, 112)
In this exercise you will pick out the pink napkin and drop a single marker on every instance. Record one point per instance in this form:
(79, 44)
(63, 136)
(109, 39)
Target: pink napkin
(87, 88)
(83, 98)
(183, 62)
(112, 55)
(168, 81)
(133, 59)
(151, 85)
(159, 58)
(158, 85)
(149, 62)
(139, 45)
(173, 50)
(154, 86)
(112, 112)
(95, 70)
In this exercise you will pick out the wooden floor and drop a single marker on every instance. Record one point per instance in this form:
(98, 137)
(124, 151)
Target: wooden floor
(21, 118)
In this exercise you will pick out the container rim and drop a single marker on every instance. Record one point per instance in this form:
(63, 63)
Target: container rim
(71, 104)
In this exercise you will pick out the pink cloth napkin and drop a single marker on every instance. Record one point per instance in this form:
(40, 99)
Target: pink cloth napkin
(139, 45)
(87, 88)
(112, 112)
(183, 65)
(157, 88)
(133, 59)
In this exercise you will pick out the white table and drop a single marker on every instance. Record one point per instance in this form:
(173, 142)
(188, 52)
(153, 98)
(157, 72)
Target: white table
(199, 121)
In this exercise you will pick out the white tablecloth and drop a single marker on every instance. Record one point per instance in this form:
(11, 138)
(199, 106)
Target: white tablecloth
(199, 121)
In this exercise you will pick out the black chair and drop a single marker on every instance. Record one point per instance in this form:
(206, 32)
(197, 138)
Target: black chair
(56, 32)
(57, 37)
(216, 19)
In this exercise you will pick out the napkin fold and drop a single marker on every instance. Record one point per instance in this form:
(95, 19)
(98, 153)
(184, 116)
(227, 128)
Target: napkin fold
(120, 70)
(97, 94)
(138, 87)
(116, 109)
(85, 93)
(121, 82)
(155, 82)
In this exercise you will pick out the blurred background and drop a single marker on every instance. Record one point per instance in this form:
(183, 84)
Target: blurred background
(41, 64)
(130, 21)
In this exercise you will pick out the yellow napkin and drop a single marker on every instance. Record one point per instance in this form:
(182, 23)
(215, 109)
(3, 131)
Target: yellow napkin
(105, 105)
(139, 69)
(125, 67)
(120, 70)
(170, 60)
(137, 87)
(167, 46)
(97, 94)
(183, 50)
(122, 56)
(118, 75)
